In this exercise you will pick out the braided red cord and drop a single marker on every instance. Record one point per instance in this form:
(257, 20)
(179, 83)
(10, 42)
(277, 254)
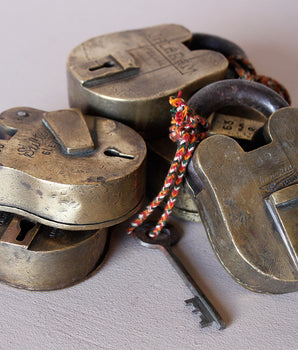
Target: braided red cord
(187, 129)
(245, 70)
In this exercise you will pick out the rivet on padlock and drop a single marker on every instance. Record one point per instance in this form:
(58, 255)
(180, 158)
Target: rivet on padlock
(248, 200)
(37, 257)
(70, 171)
(129, 76)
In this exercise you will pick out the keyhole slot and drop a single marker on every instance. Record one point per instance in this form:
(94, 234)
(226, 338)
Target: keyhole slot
(113, 152)
(6, 133)
(107, 64)
(25, 226)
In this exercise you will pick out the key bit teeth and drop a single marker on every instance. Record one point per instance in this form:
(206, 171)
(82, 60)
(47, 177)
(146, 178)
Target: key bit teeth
(190, 301)
(194, 303)
(197, 311)
(204, 320)
(205, 323)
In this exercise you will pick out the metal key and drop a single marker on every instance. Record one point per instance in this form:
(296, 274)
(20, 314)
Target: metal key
(164, 241)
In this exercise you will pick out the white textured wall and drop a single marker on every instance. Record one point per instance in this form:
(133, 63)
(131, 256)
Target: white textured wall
(135, 301)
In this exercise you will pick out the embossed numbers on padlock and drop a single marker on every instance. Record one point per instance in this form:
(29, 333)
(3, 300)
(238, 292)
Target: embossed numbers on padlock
(37, 257)
(69, 171)
(237, 108)
(233, 107)
(249, 203)
(129, 76)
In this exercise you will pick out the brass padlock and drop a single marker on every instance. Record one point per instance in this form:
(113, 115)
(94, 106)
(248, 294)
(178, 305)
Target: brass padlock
(237, 108)
(70, 171)
(228, 112)
(38, 257)
(129, 76)
(248, 202)
(161, 150)
(202, 41)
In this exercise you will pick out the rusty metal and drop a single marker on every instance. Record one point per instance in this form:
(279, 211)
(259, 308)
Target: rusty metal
(248, 202)
(168, 238)
(129, 76)
(50, 174)
(38, 257)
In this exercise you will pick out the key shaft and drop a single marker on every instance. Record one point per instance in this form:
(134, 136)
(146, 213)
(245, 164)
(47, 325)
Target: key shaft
(164, 242)
(200, 300)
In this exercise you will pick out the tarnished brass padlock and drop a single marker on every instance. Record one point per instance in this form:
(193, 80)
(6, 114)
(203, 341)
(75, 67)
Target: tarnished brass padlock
(248, 202)
(202, 41)
(129, 76)
(38, 257)
(69, 171)
(228, 112)
(161, 150)
(237, 108)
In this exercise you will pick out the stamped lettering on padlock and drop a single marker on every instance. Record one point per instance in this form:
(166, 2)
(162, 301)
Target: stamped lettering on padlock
(249, 204)
(129, 76)
(70, 171)
(228, 113)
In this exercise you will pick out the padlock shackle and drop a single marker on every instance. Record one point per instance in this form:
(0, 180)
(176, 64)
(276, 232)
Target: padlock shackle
(236, 92)
(200, 41)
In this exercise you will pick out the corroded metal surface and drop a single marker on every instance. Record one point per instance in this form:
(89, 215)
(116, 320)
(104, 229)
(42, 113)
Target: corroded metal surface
(129, 76)
(37, 257)
(228, 112)
(249, 204)
(86, 190)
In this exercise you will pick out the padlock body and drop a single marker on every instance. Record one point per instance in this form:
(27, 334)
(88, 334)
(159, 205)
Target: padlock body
(239, 122)
(76, 192)
(249, 202)
(129, 76)
(47, 258)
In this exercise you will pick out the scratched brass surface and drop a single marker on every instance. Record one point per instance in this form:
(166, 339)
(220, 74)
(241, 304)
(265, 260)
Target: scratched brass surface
(129, 76)
(38, 257)
(88, 190)
(249, 204)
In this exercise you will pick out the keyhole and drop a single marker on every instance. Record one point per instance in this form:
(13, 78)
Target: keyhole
(25, 226)
(113, 152)
(107, 64)
(6, 133)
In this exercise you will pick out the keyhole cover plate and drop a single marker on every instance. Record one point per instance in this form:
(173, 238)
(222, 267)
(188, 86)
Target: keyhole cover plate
(38, 257)
(48, 177)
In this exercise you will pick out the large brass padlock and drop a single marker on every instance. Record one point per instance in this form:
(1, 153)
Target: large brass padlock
(161, 150)
(248, 202)
(38, 257)
(129, 76)
(69, 171)
(228, 112)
